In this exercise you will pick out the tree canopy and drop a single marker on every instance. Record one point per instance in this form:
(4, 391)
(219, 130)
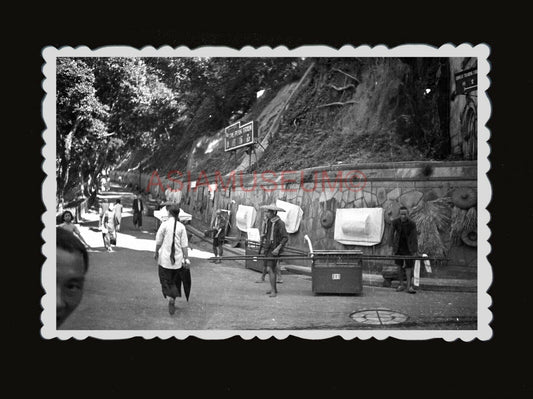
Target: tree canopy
(106, 107)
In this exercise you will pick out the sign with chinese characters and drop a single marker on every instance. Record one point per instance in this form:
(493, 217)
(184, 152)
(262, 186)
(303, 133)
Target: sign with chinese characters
(237, 135)
(466, 81)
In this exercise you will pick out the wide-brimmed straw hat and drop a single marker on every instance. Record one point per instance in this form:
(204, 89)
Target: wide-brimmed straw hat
(272, 207)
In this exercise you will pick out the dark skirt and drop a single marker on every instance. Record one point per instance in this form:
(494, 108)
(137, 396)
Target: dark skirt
(171, 280)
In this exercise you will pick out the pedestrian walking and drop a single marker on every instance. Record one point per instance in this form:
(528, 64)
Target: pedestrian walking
(219, 226)
(172, 255)
(107, 229)
(72, 262)
(67, 224)
(138, 208)
(117, 214)
(102, 211)
(404, 240)
(273, 241)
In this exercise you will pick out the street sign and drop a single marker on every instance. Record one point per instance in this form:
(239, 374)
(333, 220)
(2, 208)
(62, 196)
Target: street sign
(466, 81)
(237, 135)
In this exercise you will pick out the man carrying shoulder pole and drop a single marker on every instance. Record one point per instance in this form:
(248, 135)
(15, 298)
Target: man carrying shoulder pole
(273, 240)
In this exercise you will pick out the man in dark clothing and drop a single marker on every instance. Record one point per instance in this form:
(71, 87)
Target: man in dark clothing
(265, 271)
(404, 242)
(273, 239)
(138, 208)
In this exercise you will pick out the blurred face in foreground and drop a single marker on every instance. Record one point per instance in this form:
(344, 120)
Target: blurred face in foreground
(403, 215)
(270, 213)
(70, 278)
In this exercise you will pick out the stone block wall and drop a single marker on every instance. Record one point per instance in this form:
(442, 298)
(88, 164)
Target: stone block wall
(318, 190)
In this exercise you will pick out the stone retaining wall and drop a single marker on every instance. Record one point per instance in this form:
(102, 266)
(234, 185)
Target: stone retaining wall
(318, 190)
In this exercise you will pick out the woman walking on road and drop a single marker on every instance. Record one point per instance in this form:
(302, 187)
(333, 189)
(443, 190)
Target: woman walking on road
(172, 257)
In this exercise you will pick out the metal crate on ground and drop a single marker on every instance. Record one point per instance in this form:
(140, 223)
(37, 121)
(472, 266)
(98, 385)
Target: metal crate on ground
(252, 249)
(337, 272)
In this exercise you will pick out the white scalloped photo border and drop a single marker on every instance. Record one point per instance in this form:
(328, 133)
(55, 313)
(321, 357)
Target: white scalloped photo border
(484, 275)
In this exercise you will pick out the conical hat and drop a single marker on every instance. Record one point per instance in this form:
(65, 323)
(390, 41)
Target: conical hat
(272, 207)
(464, 198)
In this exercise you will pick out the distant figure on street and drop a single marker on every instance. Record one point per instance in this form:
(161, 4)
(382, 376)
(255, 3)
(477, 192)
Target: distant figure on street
(172, 255)
(138, 208)
(72, 262)
(220, 224)
(404, 242)
(67, 224)
(273, 241)
(103, 208)
(108, 230)
(117, 214)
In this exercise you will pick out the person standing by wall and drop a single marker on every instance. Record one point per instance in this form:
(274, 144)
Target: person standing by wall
(172, 255)
(404, 239)
(72, 262)
(138, 208)
(274, 239)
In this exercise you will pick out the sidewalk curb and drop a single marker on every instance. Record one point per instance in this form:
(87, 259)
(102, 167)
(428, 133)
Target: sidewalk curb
(373, 280)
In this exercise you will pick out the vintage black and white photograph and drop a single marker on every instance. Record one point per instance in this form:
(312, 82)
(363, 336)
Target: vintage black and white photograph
(312, 192)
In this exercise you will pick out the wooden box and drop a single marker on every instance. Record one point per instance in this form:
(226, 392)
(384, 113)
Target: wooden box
(337, 275)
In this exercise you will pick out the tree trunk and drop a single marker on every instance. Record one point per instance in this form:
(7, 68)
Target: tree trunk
(66, 160)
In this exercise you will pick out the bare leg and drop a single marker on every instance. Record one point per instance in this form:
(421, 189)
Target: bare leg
(220, 252)
(409, 273)
(401, 276)
(272, 276)
(263, 274)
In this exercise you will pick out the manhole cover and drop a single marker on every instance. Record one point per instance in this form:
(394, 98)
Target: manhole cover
(379, 317)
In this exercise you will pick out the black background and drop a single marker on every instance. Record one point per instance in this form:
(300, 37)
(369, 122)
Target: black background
(296, 366)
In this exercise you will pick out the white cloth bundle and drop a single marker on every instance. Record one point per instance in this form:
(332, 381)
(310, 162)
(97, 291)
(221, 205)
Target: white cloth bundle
(359, 226)
(292, 216)
(245, 217)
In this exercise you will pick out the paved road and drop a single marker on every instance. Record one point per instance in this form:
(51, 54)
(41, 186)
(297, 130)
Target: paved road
(122, 292)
